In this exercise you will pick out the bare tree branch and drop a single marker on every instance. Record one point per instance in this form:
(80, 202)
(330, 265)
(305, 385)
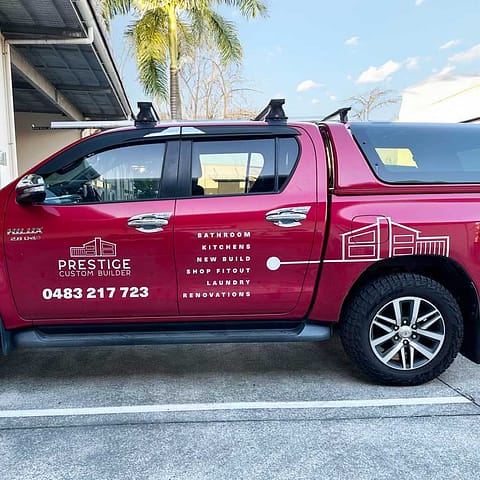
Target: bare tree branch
(212, 89)
(364, 104)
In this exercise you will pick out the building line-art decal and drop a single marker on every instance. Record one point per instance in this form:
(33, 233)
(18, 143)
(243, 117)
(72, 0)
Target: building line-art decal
(367, 242)
(94, 248)
(381, 239)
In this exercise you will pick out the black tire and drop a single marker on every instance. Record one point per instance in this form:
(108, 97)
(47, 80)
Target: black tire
(423, 346)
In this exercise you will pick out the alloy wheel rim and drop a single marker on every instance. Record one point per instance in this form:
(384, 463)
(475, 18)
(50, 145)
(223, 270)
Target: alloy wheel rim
(407, 333)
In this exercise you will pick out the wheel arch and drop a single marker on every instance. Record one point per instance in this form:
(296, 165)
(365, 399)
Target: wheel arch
(445, 271)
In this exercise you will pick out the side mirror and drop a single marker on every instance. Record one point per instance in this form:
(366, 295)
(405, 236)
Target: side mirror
(30, 189)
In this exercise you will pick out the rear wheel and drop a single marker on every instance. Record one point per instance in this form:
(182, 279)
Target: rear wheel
(402, 329)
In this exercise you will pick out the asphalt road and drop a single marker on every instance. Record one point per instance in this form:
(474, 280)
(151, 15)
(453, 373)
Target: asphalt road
(258, 411)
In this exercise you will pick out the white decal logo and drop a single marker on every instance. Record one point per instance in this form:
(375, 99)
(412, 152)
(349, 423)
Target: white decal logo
(365, 243)
(96, 258)
(95, 248)
(379, 240)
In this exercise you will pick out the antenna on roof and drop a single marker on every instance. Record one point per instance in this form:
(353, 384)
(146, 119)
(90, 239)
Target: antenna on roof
(147, 116)
(273, 111)
(342, 113)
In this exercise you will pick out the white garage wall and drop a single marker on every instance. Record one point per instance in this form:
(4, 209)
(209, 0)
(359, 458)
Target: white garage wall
(8, 162)
(36, 145)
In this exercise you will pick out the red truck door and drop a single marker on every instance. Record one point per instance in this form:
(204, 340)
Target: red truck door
(101, 245)
(245, 229)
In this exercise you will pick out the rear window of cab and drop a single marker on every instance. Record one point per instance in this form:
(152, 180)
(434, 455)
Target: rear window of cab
(408, 153)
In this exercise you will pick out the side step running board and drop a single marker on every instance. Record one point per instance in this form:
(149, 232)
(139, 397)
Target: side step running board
(305, 332)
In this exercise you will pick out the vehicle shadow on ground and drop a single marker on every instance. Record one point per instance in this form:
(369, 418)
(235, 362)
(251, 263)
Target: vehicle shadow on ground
(216, 359)
(189, 373)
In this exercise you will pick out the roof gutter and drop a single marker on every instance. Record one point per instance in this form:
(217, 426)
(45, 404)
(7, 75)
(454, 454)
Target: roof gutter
(55, 41)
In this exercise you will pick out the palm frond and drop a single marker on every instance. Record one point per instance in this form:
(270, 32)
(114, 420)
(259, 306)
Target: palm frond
(154, 77)
(248, 8)
(186, 39)
(213, 29)
(188, 5)
(149, 36)
(111, 8)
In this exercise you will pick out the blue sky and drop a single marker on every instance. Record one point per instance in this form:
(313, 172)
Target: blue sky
(317, 53)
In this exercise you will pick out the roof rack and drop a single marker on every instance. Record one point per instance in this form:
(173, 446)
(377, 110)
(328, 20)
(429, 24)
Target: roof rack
(273, 111)
(147, 115)
(342, 113)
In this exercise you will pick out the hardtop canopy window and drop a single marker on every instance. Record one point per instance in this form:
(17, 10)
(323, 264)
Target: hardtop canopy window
(421, 153)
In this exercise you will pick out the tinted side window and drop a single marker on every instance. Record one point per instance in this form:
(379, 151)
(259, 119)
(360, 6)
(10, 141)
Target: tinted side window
(416, 153)
(286, 159)
(117, 175)
(235, 167)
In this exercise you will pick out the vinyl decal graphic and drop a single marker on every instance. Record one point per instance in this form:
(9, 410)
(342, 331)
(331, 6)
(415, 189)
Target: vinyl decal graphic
(95, 248)
(372, 243)
(96, 258)
(220, 266)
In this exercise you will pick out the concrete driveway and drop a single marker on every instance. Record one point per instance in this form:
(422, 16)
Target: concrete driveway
(258, 411)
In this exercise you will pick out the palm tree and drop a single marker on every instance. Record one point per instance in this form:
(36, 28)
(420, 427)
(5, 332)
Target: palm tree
(163, 30)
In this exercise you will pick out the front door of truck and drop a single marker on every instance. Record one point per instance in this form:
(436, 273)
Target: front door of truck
(101, 244)
(245, 230)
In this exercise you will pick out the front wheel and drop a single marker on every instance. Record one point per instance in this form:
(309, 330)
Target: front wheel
(402, 329)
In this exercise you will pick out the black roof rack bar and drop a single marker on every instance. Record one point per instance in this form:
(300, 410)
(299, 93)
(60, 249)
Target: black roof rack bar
(147, 115)
(273, 111)
(342, 113)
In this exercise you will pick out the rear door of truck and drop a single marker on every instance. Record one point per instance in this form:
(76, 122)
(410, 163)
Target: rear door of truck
(249, 220)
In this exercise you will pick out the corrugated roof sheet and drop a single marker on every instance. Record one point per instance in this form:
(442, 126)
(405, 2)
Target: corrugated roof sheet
(74, 70)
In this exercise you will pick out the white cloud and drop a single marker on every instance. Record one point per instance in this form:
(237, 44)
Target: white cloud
(450, 44)
(378, 74)
(352, 42)
(445, 71)
(467, 55)
(418, 2)
(411, 63)
(307, 85)
(332, 97)
(316, 101)
(349, 77)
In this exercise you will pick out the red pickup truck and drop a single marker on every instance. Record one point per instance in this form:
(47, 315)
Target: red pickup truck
(254, 231)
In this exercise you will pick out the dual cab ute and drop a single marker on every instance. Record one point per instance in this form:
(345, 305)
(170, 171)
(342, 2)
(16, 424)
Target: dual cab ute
(254, 231)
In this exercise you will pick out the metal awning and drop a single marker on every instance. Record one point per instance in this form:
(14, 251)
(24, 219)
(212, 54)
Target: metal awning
(61, 60)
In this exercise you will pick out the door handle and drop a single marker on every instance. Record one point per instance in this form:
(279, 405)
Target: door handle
(149, 222)
(288, 216)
